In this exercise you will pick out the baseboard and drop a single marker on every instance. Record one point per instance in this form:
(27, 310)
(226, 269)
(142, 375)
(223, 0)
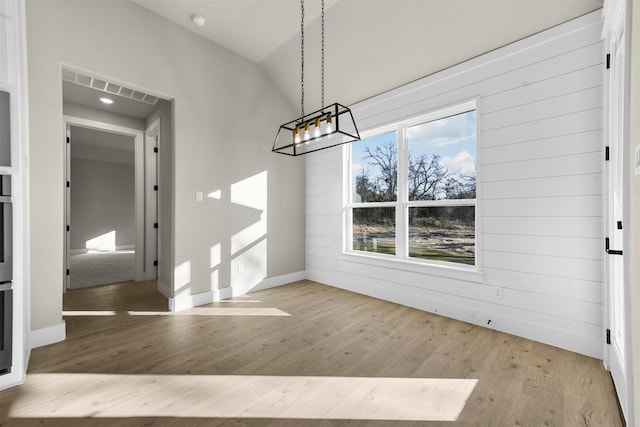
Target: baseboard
(164, 288)
(267, 283)
(185, 302)
(46, 336)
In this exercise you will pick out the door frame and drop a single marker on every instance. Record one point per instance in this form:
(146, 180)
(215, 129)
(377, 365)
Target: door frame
(152, 143)
(140, 217)
(616, 28)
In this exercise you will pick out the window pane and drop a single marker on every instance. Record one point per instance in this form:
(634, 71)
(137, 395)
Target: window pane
(374, 165)
(442, 158)
(374, 230)
(443, 233)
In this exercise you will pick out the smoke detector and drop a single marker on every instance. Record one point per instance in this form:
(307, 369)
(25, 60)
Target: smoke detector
(197, 19)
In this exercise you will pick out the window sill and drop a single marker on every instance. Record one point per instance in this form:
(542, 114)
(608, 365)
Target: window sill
(467, 274)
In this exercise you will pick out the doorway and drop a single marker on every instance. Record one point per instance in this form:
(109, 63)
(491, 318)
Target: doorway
(112, 142)
(105, 205)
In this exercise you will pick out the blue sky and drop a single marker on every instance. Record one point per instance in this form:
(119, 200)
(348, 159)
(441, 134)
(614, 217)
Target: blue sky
(453, 138)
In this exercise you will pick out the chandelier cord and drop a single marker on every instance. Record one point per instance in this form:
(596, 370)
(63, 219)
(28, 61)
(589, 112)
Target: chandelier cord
(302, 57)
(322, 58)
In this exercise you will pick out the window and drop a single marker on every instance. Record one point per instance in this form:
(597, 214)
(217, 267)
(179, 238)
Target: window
(413, 189)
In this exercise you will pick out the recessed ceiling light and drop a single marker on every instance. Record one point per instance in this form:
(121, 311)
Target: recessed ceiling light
(197, 19)
(106, 100)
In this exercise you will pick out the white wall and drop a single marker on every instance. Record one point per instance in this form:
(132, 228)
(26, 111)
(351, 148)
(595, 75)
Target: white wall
(70, 109)
(225, 112)
(102, 200)
(539, 114)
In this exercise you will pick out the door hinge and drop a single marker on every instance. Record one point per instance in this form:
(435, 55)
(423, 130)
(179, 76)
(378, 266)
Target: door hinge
(608, 61)
(155, 263)
(68, 140)
(155, 149)
(67, 228)
(68, 272)
(619, 225)
(608, 336)
(610, 251)
(68, 184)
(606, 153)
(155, 188)
(155, 225)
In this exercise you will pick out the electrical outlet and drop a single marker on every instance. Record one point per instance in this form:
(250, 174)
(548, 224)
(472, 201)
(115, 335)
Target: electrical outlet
(498, 292)
(637, 160)
(240, 268)
(199, 196)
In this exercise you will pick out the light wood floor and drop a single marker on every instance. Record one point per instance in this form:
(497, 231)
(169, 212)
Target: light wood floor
(304, 354)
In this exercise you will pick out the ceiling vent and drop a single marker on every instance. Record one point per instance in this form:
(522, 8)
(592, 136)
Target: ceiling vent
(108, 87)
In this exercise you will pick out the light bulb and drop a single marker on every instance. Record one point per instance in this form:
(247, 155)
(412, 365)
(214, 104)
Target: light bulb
(306, 131)
(317, 131)
(329, 125)
(296, 138)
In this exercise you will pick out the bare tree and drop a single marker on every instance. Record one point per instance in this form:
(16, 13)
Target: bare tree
(385, 158)
(426, 178)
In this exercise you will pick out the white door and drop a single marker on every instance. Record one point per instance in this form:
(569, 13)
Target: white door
(615, 319)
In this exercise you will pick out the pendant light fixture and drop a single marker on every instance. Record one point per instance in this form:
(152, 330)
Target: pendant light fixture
(327, 127)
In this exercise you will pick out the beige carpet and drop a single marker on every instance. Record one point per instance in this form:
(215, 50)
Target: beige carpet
(101, 268)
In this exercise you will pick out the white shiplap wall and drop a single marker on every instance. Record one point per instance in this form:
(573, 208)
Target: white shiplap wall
(540, 131)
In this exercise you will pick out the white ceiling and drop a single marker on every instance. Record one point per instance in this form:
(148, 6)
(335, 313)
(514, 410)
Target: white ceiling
(371, 45)
(251, 28)
(89, 97)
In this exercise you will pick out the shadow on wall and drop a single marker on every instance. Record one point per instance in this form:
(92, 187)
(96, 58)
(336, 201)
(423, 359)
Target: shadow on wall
(246, 248)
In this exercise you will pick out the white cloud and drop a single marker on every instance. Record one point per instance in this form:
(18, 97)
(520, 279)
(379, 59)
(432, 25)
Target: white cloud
(463, 162)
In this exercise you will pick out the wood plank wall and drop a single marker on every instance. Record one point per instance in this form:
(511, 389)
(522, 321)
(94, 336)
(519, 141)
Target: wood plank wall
(540, 158)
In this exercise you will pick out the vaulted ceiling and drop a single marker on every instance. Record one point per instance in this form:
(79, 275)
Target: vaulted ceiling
(371, 45)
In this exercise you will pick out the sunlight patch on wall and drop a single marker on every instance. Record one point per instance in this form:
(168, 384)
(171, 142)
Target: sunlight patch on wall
(215, 195)
(182, 275)
(215, 255)
(103, 243)
(243, 396)
(249, 244)
(215, 258)
(251, 192)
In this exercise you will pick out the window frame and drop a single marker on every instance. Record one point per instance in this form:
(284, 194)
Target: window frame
(401, 259)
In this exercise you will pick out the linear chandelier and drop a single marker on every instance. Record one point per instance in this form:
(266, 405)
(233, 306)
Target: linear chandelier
(327, 127)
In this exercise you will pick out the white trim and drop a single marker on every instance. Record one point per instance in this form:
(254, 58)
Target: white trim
(164, 289)
(185, 302)
(16, 84)
(616, 33)
(138, 136)
(152, 137)
(268, 282)
(48, 335)
(402, 205)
